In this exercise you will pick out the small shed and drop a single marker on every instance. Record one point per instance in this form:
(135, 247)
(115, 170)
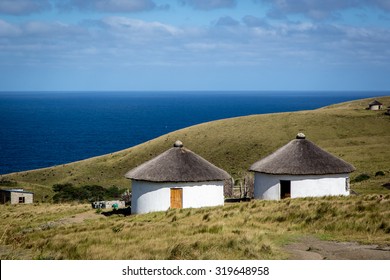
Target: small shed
(177, 178)
(16, 196)
(375, 105)
(300, 169)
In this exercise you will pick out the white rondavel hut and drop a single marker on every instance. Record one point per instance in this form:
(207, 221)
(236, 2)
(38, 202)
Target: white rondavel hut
(375, 105)
(300, 169)
(177, 178)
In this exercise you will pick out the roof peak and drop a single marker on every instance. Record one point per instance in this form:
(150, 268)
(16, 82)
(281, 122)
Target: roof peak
(300, 135)
(178, 144)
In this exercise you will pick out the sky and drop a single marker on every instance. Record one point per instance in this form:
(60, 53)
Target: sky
(142, 45)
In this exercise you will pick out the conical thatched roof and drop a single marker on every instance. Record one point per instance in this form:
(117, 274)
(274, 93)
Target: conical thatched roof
(375, 102)
(301, 157)
(177, 164)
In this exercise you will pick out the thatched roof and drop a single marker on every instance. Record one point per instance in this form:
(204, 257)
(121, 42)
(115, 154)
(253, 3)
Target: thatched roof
(301, 157)
(375, 102)
(177, 164)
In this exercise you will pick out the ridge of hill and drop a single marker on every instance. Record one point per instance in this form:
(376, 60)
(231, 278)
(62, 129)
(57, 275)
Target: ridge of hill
(346, 130)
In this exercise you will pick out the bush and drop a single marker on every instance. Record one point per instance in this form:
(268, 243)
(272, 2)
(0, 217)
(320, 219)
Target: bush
(114, 192)
(68, 192)
(379, 173)
(8, 183)
(361, 177)
(117, 228)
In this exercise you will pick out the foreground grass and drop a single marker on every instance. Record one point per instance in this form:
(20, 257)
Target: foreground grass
(251, 230)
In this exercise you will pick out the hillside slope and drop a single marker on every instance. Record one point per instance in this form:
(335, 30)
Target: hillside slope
(347, 130)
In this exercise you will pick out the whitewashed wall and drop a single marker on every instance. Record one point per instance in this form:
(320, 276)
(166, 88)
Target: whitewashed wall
(375, 107)
(150, 197)
(268, 186)
(28, 197)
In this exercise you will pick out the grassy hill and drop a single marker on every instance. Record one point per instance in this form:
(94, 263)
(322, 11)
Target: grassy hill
(347, 130)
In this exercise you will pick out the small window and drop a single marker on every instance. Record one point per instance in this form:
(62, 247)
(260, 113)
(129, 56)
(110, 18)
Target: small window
(21, 199)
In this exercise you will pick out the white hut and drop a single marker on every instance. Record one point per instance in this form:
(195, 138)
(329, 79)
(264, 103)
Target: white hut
(375, 105)
(300, 169)
(177, 178)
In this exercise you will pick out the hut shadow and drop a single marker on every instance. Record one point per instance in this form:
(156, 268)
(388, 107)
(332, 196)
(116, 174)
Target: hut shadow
(122, 211)
(235, 200)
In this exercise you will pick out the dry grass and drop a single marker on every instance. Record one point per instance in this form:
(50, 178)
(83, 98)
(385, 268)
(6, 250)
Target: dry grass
(347, 130)
(250, 230)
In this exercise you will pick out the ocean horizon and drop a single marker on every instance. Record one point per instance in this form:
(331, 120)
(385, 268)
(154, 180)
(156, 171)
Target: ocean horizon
(43, 129)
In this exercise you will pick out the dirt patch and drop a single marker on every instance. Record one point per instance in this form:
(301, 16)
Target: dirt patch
(75, 219)
(311, 248)
(79, 218)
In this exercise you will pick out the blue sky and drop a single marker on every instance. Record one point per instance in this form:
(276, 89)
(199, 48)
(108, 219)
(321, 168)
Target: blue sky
(194, 45)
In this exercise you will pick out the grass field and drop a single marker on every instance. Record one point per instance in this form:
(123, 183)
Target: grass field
(347, 130)
(246, 230)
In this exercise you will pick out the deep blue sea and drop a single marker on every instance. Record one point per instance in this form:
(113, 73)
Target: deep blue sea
(41, 129)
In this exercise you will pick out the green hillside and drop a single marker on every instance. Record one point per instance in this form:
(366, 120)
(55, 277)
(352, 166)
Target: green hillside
(347, 130)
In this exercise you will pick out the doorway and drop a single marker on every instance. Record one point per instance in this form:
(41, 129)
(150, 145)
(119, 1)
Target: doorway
(176, 198)
(285, 189)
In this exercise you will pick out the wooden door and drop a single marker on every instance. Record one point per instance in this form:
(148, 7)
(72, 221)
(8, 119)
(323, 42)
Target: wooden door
(176, 198)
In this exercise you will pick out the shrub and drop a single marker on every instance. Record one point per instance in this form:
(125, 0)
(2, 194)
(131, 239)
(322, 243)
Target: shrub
(61, 187)
(379, 173)
(117, 228)
(361, 177)
(68, 192)
(114, 192)
(8, 183)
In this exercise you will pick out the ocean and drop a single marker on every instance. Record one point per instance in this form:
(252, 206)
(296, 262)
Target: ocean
(42, 129)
